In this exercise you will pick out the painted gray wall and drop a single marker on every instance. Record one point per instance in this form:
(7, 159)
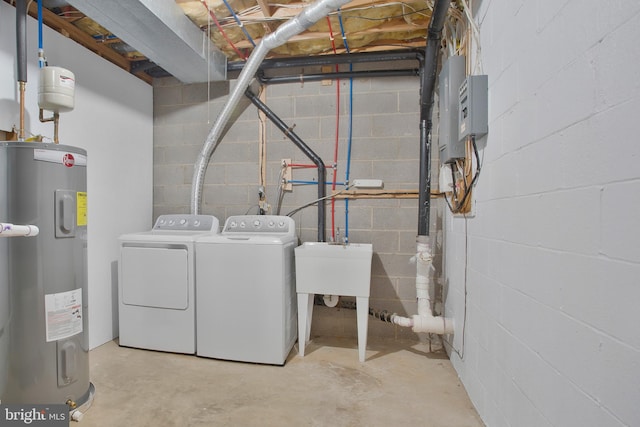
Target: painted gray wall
(553, 261)
(385, 146)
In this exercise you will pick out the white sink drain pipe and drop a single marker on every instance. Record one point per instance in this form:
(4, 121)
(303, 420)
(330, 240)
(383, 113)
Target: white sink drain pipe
(424, 321)
(305, 19)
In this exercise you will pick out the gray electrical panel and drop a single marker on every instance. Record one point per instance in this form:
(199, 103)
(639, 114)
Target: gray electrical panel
(450, 78)
(472, 108)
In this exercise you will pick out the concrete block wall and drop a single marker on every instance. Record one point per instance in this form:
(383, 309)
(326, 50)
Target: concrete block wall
(385, 146)
(551, 257)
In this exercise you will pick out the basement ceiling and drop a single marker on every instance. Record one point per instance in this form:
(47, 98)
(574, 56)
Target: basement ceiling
(367, 25)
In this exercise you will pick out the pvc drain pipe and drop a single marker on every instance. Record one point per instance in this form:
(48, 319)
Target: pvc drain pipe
(424, 321)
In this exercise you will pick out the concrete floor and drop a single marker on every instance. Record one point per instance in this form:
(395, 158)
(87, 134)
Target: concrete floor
(399, 384)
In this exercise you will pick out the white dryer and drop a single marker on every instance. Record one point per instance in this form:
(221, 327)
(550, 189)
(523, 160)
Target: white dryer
(245, 282)
(156, 295)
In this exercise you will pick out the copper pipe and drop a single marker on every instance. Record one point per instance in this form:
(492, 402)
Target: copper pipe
(21, 129)
(56, 121)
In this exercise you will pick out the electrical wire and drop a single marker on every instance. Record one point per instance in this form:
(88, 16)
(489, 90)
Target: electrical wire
(460, 352)
(249, 15)
(386, 18)
(313, 202)
(457, 207)
(475, 32)
(215, 20)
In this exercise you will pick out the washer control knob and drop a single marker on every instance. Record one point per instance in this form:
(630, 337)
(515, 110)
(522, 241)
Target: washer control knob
(183, 221)
(171, 222)
(271, 224)
(233, 224)
(281, 224)
(256, 223)
(196, 222)
(242, 224)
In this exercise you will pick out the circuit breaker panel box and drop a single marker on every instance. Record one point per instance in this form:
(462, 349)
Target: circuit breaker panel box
(473, 108)
(451, 77)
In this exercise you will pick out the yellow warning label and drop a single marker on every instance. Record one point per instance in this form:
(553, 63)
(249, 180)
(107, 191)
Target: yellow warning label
(81, 198)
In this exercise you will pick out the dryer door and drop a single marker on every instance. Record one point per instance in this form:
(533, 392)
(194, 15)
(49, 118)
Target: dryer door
(155, 277)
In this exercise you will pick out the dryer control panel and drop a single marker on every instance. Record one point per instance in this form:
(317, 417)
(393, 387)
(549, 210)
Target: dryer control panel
(186, 222)
(255, 224)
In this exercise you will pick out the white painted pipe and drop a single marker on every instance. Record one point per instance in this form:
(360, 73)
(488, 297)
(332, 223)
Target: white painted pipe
(11, 230)
(424, 264)
(424, 321)
(305, 19)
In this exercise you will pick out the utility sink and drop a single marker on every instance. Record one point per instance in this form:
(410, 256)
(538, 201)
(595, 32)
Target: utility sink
(333, 269)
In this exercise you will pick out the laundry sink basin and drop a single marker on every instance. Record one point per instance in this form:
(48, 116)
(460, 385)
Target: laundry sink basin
(333, 269)
(330, 269)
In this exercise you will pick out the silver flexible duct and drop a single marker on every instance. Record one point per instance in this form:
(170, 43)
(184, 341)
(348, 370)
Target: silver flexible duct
(301, 22)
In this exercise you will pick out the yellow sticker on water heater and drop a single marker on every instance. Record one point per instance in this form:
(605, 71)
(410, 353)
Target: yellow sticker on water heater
(81, 208)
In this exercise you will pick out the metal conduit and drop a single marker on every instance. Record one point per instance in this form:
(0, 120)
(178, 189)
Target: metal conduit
(307, 152)
(427, 85)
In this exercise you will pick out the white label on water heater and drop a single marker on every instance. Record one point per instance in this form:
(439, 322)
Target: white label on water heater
(67, 159)
(63, 314)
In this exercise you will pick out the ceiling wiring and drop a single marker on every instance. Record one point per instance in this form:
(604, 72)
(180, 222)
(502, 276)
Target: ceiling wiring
(475, 32)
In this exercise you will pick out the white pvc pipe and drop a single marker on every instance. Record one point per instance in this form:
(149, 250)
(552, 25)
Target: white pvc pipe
(11, 230)
(424, 264)
(405, 322)
(424, 321)
(305, 19)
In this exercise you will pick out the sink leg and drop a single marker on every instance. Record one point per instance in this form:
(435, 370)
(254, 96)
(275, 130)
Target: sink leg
(362, 306)
(305, 313)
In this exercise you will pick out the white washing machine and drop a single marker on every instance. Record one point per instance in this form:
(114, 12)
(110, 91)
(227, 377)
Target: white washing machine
(245, 280)
(156, 295)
